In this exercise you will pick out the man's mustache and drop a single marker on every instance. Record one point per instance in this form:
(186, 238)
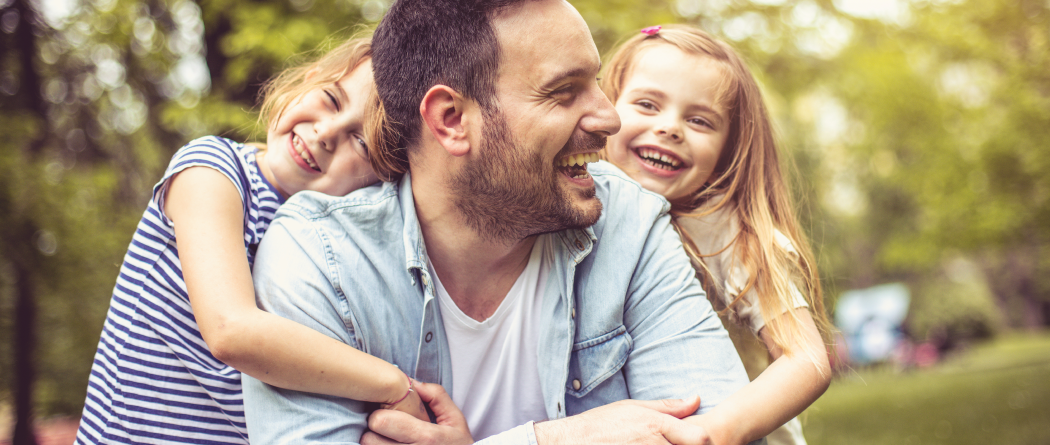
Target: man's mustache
(582, 141)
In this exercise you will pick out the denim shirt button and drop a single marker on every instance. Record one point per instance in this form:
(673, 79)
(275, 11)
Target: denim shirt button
(573, 312)
(559, 407)
(576, 384)
(579, 244)
(430, 336)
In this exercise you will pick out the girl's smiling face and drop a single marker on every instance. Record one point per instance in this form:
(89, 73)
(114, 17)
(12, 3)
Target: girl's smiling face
(318, 143)
(673, 126)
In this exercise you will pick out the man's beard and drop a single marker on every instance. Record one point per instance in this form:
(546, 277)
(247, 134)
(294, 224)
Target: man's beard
(509, 193)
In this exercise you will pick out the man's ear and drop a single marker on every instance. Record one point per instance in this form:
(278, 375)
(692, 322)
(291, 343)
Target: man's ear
(442, 109)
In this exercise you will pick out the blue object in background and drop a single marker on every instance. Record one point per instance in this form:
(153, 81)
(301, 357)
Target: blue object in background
(870, 320)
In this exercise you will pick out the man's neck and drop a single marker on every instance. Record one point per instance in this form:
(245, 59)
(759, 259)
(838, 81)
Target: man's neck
(476, 271)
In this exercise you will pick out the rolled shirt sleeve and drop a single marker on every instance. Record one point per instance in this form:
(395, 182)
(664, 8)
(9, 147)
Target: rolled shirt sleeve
(291, 274)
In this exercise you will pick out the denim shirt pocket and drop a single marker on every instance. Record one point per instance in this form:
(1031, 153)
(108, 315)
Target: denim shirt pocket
(595, 360)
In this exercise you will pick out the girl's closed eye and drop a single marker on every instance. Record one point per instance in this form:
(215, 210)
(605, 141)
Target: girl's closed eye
(331, 97)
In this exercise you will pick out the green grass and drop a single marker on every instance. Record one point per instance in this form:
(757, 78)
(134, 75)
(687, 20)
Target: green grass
(994, 393)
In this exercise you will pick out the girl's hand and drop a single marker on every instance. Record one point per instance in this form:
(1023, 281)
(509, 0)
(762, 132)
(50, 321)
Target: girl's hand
(411, 405)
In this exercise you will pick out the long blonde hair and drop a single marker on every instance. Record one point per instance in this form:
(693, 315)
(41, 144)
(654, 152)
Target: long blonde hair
(292, 83)
(748, 179)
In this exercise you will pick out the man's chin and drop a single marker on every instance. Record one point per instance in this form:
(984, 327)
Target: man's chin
(587, 206)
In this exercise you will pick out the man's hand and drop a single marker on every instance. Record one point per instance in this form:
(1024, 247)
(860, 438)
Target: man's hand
(627, 422)
(392, 427)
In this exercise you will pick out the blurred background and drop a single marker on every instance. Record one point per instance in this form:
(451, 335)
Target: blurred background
(919, 129)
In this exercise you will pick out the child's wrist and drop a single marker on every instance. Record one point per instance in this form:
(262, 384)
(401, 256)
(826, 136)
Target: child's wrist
(398, 389)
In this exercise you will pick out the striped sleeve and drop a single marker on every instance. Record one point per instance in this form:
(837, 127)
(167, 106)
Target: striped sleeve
(209, 151)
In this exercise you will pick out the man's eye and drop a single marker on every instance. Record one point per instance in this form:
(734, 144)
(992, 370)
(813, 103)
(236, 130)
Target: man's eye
(563, 93)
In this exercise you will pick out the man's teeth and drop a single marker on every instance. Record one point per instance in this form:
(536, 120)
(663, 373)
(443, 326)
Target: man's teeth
(580, 159)
(659, 159)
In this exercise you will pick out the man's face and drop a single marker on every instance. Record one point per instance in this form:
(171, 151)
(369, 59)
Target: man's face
(530, 173)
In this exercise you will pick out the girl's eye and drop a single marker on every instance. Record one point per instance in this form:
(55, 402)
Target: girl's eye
(644, 104)
(364, 144)
(701, 122)
(331, 97)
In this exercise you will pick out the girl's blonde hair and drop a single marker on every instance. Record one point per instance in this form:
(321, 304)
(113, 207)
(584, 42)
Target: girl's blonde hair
(748, 178)
(292, 83)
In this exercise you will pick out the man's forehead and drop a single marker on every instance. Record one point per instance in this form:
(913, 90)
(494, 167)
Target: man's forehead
(549, 36)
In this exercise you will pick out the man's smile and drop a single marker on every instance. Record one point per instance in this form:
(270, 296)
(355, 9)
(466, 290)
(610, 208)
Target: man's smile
(575, 165)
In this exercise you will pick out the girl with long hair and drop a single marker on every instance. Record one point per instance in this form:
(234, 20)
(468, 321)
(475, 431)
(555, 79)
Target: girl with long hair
(694, 128)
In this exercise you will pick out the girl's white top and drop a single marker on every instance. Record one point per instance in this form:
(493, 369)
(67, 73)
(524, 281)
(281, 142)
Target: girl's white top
(716, 232)
(154, 379)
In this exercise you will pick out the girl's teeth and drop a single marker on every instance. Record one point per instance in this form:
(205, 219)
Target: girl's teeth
(658, 159)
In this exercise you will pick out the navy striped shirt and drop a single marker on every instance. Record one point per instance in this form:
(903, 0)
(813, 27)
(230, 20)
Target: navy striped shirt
(154, 379)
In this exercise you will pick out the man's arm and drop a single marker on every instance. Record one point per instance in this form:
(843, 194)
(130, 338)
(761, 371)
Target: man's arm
(680, 346)
(633, 422)
(291, 276)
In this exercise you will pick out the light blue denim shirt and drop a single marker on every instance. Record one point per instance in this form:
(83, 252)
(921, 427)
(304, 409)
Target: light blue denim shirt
(623, 314)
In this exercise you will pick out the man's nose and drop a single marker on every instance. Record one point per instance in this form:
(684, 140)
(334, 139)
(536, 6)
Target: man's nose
(601, 117)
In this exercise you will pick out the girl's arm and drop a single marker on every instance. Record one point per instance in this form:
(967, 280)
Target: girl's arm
(208, 215)
(786, 388)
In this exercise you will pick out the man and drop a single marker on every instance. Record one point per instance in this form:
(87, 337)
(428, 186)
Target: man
(502, 266)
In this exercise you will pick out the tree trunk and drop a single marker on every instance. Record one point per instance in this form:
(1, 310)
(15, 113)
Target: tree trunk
(18, 244)
(25, 342)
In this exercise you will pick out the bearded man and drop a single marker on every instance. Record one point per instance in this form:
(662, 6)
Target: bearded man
(535, 289)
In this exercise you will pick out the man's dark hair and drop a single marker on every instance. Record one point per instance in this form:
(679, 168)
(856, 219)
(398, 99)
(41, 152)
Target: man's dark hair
(422, 43)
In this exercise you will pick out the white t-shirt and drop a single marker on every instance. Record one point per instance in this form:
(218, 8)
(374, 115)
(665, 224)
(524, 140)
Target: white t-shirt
(495, 374)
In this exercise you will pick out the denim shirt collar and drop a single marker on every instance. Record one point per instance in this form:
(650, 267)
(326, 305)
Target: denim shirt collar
(415, 248)
(578, 242)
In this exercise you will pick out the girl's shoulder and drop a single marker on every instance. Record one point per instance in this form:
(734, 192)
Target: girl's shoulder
(217, 146)
(716, 227)
(712, 227)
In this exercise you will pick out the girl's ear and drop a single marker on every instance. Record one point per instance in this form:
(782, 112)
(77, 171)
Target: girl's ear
(442, 110)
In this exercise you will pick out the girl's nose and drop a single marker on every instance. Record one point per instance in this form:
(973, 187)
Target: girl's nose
(669, 131)
(326, 134)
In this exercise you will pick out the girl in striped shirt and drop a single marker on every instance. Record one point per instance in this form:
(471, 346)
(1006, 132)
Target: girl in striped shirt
(183, 323)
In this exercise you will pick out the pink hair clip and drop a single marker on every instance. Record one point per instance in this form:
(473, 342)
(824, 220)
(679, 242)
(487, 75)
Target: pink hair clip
(652, 30)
